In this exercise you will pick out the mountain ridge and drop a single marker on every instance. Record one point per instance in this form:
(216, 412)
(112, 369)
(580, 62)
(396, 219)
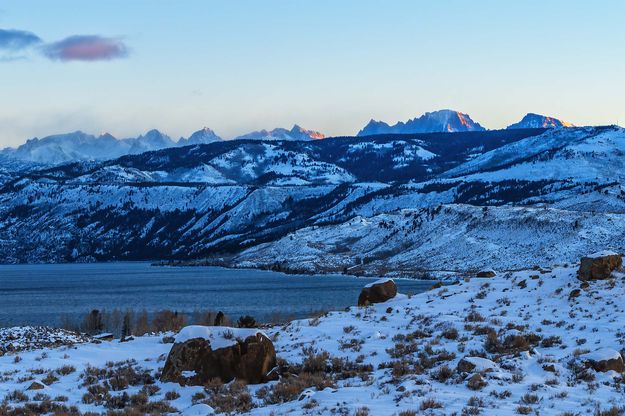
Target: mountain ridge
(533, 120)
(289, 204)
(79, 146)
(436, 121)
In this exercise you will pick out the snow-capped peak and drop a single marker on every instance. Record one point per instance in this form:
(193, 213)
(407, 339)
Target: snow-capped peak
(534, 121)
(296, 133)
(436, 121)
(152, 140)
(202, 136)
(306, 134)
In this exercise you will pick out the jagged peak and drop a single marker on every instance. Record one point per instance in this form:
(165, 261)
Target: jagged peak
(444, 120)
(534, 120)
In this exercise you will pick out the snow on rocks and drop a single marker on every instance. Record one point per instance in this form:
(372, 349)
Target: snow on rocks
(379, 291)
(218, 337)
(486, 273)
(599, 265)
(25, 338)
(477, 364)
(201, 354)
(605, 359)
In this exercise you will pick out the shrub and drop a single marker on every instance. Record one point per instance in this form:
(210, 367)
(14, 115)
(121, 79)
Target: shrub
(315, 362)
(443, 373)
(476, 382)
(363, 411)
(97, 394)
(551, 341)
(474, 316)
(93, 323)
(17, 396)
(231, 398)
(172, 395)
(451, 333)
(353, 344)
(50, 379)
(246, 321)
(168, 321)
(65, 370)
(289, 388)
(430, 404)
(118, 402)
(613, 411)
(530, 398)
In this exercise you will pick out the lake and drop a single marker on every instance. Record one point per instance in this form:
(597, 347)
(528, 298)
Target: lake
(42, 294)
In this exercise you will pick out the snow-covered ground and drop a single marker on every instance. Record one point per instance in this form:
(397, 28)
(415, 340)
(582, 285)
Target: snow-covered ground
(526, 334)
(410, 242)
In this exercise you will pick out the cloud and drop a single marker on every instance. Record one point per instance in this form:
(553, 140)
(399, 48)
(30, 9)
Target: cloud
(15, 40)
(86, 48)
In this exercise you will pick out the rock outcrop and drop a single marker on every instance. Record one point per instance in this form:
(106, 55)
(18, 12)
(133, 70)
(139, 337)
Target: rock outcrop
(377, 292)
(475, 364)
(599, 265)
(36, 385)
(605, 359)
(201, 354)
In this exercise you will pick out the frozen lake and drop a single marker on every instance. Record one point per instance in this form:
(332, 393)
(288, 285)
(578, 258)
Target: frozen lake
(41, 294)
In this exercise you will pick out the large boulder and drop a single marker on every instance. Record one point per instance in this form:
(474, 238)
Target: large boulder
(605, 359)
(599, 265)
(475, 364)
(377, 292)
(486, 273)
(201, 354)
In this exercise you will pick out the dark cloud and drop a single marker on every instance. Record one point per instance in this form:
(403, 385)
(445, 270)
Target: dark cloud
(15, 40)
(86, 48)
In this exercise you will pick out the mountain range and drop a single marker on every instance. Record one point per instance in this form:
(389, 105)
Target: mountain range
(78, 146)
(537, 121)
(437, 121)
(391, 204)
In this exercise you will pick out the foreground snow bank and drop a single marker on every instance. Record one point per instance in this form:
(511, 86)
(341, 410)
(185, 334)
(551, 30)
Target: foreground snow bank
(526, 340)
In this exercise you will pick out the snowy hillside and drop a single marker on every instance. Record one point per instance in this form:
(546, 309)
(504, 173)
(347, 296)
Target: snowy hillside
(518, 343)
(390, 204)
(429, 242)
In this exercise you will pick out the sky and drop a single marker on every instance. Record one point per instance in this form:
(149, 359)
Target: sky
(126, 67)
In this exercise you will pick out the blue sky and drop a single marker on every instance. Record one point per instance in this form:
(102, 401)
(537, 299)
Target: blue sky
(237, 66)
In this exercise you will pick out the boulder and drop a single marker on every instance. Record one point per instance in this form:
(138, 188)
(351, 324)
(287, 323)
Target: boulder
(605, 359)
(36, 385)
(599, 265)
(477, 364)
(575, 293)
(201, 354)
(476, 382)
(486, 273)
(377, 292)
(549, 368)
